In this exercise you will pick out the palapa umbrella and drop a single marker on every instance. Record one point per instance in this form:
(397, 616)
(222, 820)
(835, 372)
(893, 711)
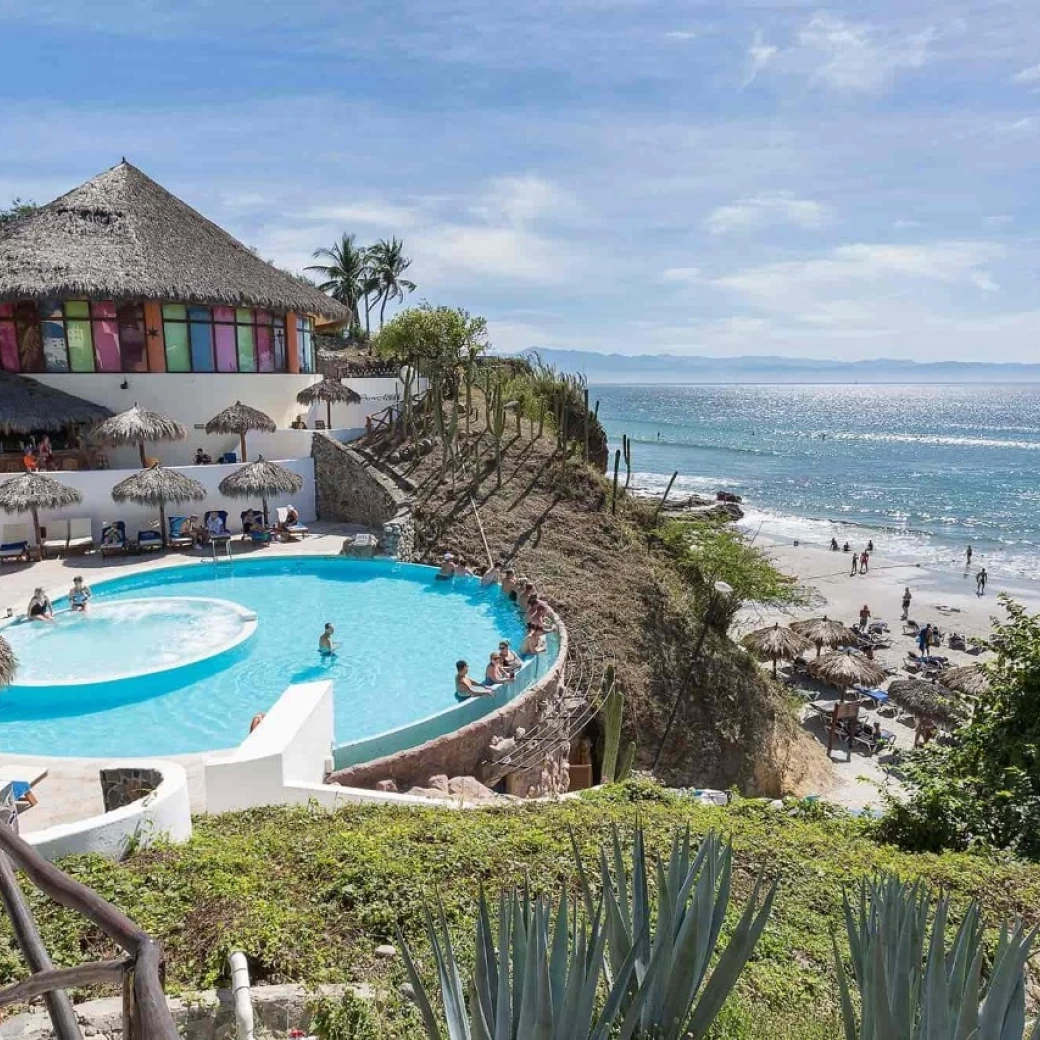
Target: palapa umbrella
(843, 669)
(135, 426)
(156, 486)
(774, 642)
(240, 419)
(968, 678)
(923, 698)
(331, 391)
(8, 663)
(261, 479)
(31, 492)
(824, 632)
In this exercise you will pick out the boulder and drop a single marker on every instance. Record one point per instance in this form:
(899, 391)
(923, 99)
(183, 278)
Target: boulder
(438, 783)
(386, 951)
(387, 785)
(470, 789)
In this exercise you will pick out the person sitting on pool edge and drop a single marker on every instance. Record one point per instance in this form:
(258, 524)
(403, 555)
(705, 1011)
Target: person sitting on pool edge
(491, 576)
(466, 686)
(79, 595)
(40, 608)
(326, 647)
(509, 583)
(510, 662)
(447, 570)
(534, 641)
(495, 673)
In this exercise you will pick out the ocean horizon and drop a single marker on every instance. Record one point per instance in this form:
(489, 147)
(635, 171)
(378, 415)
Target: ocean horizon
(921, 470)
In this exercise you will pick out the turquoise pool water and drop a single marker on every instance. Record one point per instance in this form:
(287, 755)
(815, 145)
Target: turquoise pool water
(400, 633)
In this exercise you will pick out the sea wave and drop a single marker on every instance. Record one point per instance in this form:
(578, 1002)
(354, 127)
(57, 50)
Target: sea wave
(940, 439)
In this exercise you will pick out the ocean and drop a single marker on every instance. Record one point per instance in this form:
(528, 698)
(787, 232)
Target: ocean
(924, 471)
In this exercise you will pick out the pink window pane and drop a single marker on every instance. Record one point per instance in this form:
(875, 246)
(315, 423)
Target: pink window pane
(106, 346)
(263, 317)
(227, 346)
(104, 309)
(6, 310)
(264, 348)
(8, 345)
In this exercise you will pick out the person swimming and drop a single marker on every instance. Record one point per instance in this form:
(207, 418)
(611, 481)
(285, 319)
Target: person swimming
(79, 595)
(40, 608)
(447, 570)
(466, 686)
(326, 647)
(495, 673)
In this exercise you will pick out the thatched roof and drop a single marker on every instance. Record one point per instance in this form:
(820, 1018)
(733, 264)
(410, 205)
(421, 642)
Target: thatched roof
(329, 390)
(27, 406)
(768, 644)
(968, 678)
(260, 478)
(30, 491)
(845, 669)
(121, 236)
(240, 418)
(926, 699)
(155, 486)
(823, 631)
(8, 663)
(136, 425)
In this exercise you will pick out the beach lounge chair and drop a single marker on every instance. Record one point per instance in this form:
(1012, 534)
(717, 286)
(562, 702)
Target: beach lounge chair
(80, 537)
(179, 539)
(253, 527)
(113, 538)
(225, 534)
(297, 528)
(56, 537)
(14, 543)
(149, 541)
(228, 458)
(21, 780)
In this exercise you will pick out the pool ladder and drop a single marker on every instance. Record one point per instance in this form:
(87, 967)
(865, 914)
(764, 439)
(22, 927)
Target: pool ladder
(227, 549)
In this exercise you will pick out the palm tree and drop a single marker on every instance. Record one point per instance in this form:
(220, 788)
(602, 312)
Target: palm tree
(388, 264)
(345, 275)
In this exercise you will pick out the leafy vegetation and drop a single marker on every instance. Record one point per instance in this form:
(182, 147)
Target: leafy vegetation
(18, 208)
(982, 788)
(309, 895)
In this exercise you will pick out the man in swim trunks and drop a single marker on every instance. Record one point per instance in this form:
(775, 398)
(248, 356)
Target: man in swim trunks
(447, 570)
(79, 595)
(467, 687)
(326, 647)
(509, 581)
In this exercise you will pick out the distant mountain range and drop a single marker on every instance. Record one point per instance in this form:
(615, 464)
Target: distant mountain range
(673, 368)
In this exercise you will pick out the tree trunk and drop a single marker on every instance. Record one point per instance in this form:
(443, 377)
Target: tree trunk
(162, 523)
(144, 461)
(328, 415)
(36, 528)
(242, 437)
(382, 307)
(263, 503)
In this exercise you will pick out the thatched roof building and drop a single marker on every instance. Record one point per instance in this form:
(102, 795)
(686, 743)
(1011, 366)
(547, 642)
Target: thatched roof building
(123, 237)
(29, 407)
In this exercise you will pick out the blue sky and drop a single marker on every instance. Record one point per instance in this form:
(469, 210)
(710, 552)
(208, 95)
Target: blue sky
(747, 177)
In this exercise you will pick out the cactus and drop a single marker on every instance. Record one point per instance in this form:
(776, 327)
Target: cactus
(626, 450)
(613, 500)
(664, 497)
(518, 410)
(586, 424)
(613, 710)
(541, 417)
(628, 758)
(497, 426)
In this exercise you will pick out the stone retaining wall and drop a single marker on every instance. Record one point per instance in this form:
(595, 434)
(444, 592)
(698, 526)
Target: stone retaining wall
(122, 786)
(349, 490)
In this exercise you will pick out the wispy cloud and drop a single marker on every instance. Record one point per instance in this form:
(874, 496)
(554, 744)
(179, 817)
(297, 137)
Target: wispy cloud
(765, 210)
(681, 34)
(759, 55)
(1028, 75)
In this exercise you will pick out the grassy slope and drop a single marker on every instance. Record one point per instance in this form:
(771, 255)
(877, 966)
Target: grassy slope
(309, 896)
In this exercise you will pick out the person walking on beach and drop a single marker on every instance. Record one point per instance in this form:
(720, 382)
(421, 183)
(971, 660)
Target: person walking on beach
(855, 561)
(980, 582)
(864, 562)
(906, 603)
(967, 557)
(864, 617)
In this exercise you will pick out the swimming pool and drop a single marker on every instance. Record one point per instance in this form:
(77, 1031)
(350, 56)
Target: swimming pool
(400, 634)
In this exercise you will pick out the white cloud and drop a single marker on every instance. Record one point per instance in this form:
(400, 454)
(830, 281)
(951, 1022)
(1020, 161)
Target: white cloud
(1017, 127)
(521, 200)
(689, 275)
(1029, 75)
(759, 55)
(680, 34)
(765, 210)
(384, 215)
(859, 57)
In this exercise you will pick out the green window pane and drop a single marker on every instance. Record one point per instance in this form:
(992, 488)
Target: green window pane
(246, 350)
(77, 309)
(178, 356)
(244, 316)
(175, 311)
(81, 346)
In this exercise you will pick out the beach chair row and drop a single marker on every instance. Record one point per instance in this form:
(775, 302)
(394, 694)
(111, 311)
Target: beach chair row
(60, 537)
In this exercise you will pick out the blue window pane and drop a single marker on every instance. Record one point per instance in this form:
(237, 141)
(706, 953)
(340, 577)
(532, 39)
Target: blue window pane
(199, 314)
(201, 347)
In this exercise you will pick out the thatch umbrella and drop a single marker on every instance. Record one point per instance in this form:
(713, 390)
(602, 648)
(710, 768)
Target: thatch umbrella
(27, 406)
(330, 391)
(969, 679)
(842, 669)
(156, 486)
(240, 419)
(927, 699)
(772, 643)
(824, 632)
(261, 479)
(31, 492)
(8, 663)
(135, 426)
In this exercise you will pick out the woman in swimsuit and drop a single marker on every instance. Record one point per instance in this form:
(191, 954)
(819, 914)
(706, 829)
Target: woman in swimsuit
(79, 595)
(466, 686)
(510, 662)
(40, 608)
(494, 672)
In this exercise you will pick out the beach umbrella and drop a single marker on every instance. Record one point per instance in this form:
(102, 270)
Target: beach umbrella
(260, 479)
(8, 663)
(926, 699)
(135, 426)
(31, 492)
(774, 642)
(824, 632)
(842, 669)
(969, 679)
(331, 391)
(156, 486)
(240, 419)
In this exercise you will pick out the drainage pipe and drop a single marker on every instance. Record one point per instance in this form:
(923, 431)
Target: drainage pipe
(241, 995)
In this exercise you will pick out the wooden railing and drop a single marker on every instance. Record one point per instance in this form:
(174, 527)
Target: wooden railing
(138, 972)
(385, 418)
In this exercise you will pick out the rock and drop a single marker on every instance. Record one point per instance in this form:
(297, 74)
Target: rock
(713, 510)
(427, 792)
(520, 732)
(503, 745)
(407, 990)
(386, 951)
(470, 789)
(439, 783)
(387, 785)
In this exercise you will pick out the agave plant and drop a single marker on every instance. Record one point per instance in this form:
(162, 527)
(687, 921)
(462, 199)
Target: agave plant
(913, 988)
(670, 995)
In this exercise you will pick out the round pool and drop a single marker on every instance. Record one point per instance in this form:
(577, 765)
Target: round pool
(171, 661)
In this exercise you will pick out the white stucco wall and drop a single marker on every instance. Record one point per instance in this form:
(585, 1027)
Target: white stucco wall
(193, 399)
(96, 488)
(166, 812)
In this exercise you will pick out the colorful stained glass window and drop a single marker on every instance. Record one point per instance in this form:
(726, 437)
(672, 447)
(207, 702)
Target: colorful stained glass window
(201, 346)
(8, 339)
(55, 356)
(305, 344)
(106, 338)
(133, 346)
(280, 357)
(178, 355)
(174, 312)
(264, 349)
(224, 334)
(81, 346)
(30, 339)
(77, 309)
(246, 349)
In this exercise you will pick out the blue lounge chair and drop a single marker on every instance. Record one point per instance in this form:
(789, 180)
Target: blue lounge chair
(253, 527)
(178, 539)
(291, 529)
(149, 541)
(225, 534)
(113, 537)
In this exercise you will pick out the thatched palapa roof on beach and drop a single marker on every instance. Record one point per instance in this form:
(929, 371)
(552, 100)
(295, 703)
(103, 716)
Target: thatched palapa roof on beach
(156, 486)
(122, 236)
(27, 406)
(31, 492)
(926, 699)
(8, 663)
(260, 479)
(824, 632)
(774, 642)
(331, 391)
(843, 669)
(239, 419)
(969, 679)
(136, 426)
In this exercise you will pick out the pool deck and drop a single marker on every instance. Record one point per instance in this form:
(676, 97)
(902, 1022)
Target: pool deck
(71, 790)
